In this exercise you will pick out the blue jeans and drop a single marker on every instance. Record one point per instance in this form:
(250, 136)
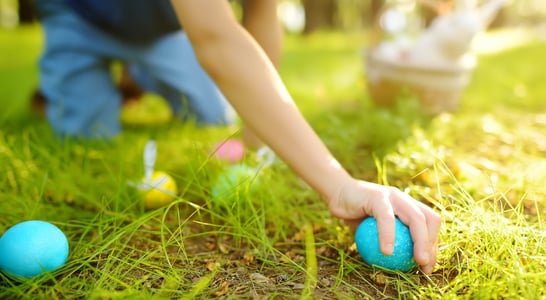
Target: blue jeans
(82, 97)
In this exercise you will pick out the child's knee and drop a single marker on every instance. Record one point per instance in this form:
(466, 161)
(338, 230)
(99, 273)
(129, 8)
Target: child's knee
(84, 118)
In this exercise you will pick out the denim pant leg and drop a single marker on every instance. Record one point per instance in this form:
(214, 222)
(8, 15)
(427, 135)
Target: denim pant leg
(75, 77)
(169, 67)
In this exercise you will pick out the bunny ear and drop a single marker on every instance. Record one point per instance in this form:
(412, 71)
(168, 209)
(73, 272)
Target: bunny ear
(489, 10)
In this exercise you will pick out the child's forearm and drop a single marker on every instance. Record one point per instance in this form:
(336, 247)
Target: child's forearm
(249, 80)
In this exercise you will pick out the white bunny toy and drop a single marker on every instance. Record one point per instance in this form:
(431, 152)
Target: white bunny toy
(449, 37)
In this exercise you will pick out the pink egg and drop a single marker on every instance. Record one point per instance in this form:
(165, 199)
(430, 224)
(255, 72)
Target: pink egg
(231, 151)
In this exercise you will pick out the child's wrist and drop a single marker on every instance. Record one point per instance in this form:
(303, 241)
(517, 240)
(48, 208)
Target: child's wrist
(333, 182)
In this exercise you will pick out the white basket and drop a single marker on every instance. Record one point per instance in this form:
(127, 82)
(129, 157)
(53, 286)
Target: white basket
(438, 88)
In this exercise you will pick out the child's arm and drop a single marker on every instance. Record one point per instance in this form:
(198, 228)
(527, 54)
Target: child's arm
(249, 80)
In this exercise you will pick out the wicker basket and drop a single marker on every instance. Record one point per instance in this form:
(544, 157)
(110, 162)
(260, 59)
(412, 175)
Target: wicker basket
(438, 89)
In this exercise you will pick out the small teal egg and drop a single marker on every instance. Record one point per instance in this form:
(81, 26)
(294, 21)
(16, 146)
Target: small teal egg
(32, 247)
(367, 244)
(234, 183)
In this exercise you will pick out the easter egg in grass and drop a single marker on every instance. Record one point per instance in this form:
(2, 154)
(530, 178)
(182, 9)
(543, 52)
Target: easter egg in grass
(160, 191)
(367, 244)
(31, 248)
(230, 151)
(235, 182)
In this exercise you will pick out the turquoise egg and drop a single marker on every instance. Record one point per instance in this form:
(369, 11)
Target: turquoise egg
(233, 184)
(367, 244)
(31, 248)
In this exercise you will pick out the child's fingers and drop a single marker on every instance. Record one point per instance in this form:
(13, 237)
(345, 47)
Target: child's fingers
(424, 226)
(384, 215)
(412, 216)
(434, 222)
(427, 269)
(434, 226)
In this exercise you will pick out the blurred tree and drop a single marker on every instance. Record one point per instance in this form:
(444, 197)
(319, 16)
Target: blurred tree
(319, 14)
(375, 8)
(26, 11)
(354, 14)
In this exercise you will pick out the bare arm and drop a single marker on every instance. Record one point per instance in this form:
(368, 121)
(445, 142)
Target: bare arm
(246, 76)
(250, 82)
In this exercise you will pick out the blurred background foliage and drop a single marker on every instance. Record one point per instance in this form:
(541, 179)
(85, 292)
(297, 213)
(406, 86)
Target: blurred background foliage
(306, 16)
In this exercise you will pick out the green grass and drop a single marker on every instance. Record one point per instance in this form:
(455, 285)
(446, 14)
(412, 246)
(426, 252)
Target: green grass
(483, 168)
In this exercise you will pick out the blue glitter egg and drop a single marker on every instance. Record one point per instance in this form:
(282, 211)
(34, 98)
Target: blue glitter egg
(32, 247)
(367, 244)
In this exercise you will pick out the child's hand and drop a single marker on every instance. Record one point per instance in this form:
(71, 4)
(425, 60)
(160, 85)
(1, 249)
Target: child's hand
(361, 199)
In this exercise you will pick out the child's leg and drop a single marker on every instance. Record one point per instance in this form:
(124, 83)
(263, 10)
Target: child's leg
(82, 99)
(170, 68)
